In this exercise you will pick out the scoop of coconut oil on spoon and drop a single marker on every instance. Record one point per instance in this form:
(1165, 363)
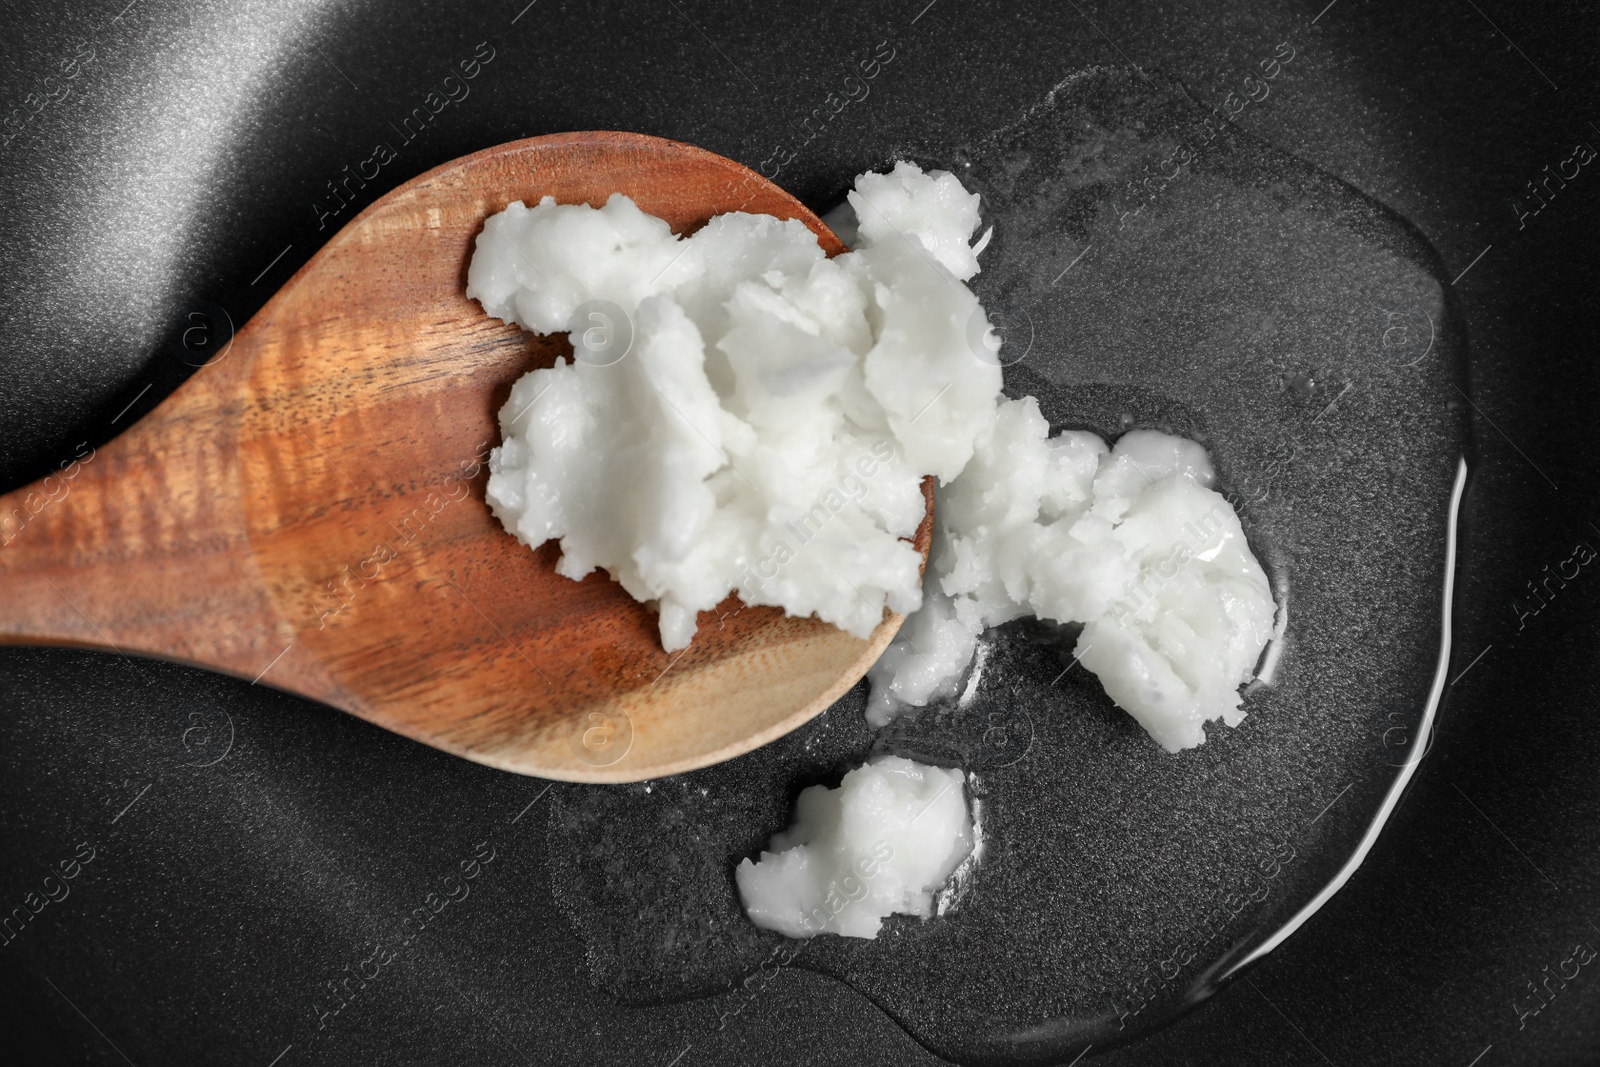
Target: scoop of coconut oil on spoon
(307, 511)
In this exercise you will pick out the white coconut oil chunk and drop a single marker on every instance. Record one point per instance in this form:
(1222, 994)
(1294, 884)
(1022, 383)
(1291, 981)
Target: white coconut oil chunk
(747, 415)
(743, 414)
(883, 843)
(1131, 541)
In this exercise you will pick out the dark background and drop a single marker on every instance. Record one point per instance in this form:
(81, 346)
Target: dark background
(191, 150)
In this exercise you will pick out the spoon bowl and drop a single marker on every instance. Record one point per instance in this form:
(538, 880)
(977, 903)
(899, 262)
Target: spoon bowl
(307, 511)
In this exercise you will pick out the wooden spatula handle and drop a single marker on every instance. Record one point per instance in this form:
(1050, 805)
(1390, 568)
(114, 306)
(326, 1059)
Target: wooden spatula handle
(138, 546)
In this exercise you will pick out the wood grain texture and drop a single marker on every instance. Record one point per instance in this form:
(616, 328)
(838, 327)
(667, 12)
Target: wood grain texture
(308, 509)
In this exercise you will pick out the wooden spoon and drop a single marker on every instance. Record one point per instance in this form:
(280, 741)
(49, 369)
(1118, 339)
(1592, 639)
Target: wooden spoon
(307, 511)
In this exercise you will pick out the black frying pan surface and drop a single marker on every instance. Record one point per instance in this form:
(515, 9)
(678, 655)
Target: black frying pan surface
(271, 878)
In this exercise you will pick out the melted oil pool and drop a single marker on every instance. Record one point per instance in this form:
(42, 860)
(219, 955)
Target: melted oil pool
(1301, 332)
